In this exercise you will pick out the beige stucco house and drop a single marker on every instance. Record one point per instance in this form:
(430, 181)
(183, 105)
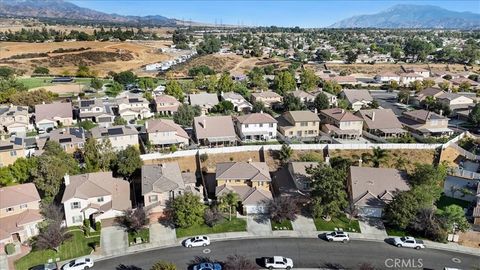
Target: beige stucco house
(120, 136)
(302, 125)
(340, 123)
(164, 132)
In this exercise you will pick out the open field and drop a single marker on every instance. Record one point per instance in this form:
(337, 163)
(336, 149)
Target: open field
(370, 70)
(101, 57)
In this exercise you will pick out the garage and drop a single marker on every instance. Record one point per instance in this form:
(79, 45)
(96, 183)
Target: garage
(254, 209)
(366, 211)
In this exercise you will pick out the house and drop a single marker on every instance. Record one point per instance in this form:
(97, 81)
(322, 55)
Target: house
(119, 136)
(163, 182)
(14, 120)
(95, 197)
(19, 213)
(164, 133)
(356, 98)
(418, 71)
(205, 101)
(214, 130)
(455, 101)
(49, 116)
(240, 104)
(381, 122)
(250, 180)
(427, 92)
(339, 123)
(332, 99)
(131, 108)
(303, 96)
(300, 176)
(370, 189)
(268, 98)
(256, 127)
(407, 78)
(71, 139)
(459, 81)
(96, 111)
(425, 123)
(166, 104)
(387, 77)
(10, 151)
(304, 125)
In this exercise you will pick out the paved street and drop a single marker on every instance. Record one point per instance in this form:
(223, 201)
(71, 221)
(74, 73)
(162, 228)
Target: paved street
(306, 253)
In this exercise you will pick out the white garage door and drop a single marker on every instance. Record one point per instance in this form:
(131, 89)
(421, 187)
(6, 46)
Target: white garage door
(370, 212)
(255, 209)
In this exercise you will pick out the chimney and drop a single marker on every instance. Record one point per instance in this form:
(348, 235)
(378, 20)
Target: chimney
(66, 179)
(78, 98)
(441, 112)
(249, 160)
(146, 124)
(360, 161)
(261, 111)
(343, 111)
(373, 116)
(316, 111)
(327, 160)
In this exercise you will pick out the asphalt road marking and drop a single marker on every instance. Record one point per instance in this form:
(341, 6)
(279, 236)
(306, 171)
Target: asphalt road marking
(456, 260)
(206, 251)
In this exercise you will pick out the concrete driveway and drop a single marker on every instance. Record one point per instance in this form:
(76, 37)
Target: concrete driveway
(372, 228)
(162, 235)
(113, 240)
(304, 225)
(259, 225)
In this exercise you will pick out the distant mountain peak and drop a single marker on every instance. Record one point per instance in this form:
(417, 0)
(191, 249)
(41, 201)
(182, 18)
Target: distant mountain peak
(413, 16)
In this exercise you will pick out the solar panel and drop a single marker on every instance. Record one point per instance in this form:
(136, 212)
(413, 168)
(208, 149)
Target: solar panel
(133, 100)
(86, 103)
(65, 140)
(6, 147)
(115, 131)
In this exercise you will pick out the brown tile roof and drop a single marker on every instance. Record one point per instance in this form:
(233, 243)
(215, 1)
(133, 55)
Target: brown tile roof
(266, 94)
(423, 115)
(165, 125)
(256, 118)
(302, 116)
(354, 95)
(214, 126)
(340, 115)
(380, 119)
(161, 178)
(248, 195)
(52, 110)
(14, 223)
(18, 194)
(100, 132)
(253, 171)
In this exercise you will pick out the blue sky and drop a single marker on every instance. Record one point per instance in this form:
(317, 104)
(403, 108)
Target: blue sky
(260, 13)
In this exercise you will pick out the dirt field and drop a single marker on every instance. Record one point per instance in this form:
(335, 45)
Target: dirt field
(101, 56)
(450, 155)
(470, 239)
(370, 70)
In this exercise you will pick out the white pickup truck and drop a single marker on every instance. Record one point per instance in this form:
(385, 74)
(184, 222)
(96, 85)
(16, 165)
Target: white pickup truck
(409, 242)
(278, 262)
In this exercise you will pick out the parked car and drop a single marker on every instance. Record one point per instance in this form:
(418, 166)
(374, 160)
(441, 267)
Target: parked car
(78, 264)
(409, 242)
(208, 266)
(197, 241)
(278, 262)
(47, 266)
(338, 236)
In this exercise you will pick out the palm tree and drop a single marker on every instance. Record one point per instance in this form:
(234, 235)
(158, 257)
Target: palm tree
(376, 157)
(285, 153)
(229, 201)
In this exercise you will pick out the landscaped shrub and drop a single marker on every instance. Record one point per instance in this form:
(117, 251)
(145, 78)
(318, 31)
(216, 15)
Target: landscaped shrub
(9, 249)
(86, 227)
(203, 157)
(98, 226)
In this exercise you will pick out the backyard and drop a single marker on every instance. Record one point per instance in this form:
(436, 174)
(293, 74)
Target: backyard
(340, 223)
(77, 246)
(236, 225)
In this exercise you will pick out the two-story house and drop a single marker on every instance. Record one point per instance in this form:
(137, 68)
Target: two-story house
(418, 71)
(96, 111)
(166, 104)
(387, 77)
(131, 108)
(381, 122)
(163, 182)
(268, 98)
(250, 180)
(425, 123)
(120, 136)
(10, 151)
(426, 93)
(256, 127)
(19, 213)
(455, 101)
(205, 101)
(71, 139)
(302, 125)
(339, 123)
(407, 78)
(214, 130)
(95, 197)
(240, 104)
(14, 120)
(332, 99)
(49, 116)
(164, 133)
(305, 97)
(357, 98)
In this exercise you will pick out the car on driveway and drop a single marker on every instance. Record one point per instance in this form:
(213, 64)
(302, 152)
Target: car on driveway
(278, 262)
(409, 242)
(78, 264)
(207, 266)
(197, 241)
(338, 236)
(47, 266)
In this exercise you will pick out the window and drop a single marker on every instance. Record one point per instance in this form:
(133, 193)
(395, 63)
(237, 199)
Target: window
(261, 125)
(77, 219)
(271, 125)
(75, 205)
(303, 124)
(23, 206)
(13, 153)
(153, 198)
(246, 125)
(9, 209)
(100, 199)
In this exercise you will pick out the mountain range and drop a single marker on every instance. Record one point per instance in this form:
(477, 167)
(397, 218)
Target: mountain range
(413, 16)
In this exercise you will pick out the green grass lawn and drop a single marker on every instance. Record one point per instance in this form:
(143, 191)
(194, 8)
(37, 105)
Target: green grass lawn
(278, 226)
(75, 247)
(143, 233)
(395, 232)
(337, 222)
(236, 225)
(46, 81)
(445, 201)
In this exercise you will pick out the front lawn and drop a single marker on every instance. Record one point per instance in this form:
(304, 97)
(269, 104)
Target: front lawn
(281, 226)
(142, 233)
(236, 225)
(391, 231)
(77, 246)
(341, 222)
(445, 201)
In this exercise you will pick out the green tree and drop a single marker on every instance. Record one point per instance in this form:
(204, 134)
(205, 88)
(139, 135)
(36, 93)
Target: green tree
(83, 71)
(428, 174)
(292, 103)
(210, 44)
(309, 80)
(378, 156)
(173, 88)
(41, 70)
(256, 78)
(146, 83)
(31, 98)
(203, 69)
(163, 265)
(185, 114)
(428, 83)
(187, 210)
(285, 153)
(474, 115)
(125, 77)
(228, 202)
(404, 96)
(128, 161)
(454, 217)
(284, 82)
(321, 102)
(211, 83)
(119, 121)
(86, 124)
(21, 169)
(332, 87)
(114, 89)
(323, 55)
(393, 85)
(417, 86)
(200, 81)
(351, 57)
(401, 210)
(225, 83)
(445, 86)
(98, 155)
(6, 72)
(224, 107)
(464, 87)
(417, 49)
(429, 224)
(96, 84)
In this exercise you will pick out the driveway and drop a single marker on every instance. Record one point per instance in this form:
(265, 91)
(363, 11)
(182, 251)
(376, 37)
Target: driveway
(162, 235)
(304, 225)
(259, 225)
(113, 240)
(372, 228)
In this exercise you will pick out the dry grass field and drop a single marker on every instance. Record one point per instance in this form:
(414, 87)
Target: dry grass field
(99, 56)
(370, 70)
